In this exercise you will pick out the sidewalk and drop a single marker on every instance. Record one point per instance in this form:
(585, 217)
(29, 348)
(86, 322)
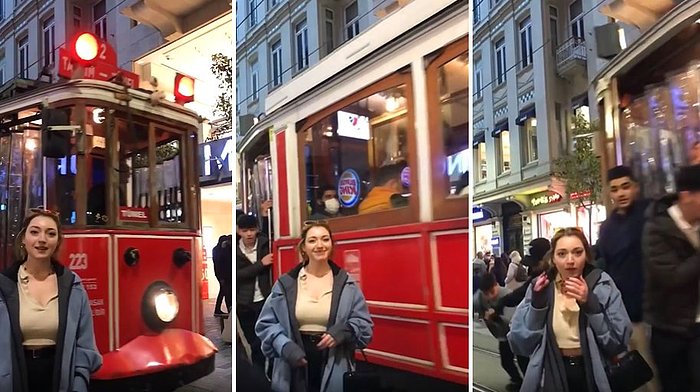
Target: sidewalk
(221, 379)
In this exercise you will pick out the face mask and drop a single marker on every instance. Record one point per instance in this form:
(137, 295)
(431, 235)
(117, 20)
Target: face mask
(332, 205)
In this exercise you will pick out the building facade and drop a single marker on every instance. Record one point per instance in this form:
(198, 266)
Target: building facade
(277, 40)
(532, 66)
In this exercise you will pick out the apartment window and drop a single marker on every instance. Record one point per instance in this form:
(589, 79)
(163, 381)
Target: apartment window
(49, 34)
(254, 81)
(276, 51)
(477, 13)
(273, 3)
(553, 27)
(99, 13)
(525, 42)
(478, 78)
(2, 10)
(529, 134)
(77, 17)
(329, 27)
(302, 44)
(500, 49)
(352, 20)
(576, 17)
(252, 16)
(480, 154)
(503, 149)
(23, 57)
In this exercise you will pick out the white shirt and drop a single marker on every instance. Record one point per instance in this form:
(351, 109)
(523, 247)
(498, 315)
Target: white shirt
(690, 231)
(252, 255)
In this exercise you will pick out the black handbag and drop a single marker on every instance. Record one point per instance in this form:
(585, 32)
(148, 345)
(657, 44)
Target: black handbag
(629, 373)
(357, 380)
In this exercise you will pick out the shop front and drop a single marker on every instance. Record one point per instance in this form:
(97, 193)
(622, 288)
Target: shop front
(217, 193)
(550, 211)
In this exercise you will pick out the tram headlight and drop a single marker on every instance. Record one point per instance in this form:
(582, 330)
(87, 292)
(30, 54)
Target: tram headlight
(159, 306)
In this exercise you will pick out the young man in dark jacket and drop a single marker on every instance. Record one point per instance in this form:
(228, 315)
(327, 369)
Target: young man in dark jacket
(619, 251)
(253, 261)
(671, 245)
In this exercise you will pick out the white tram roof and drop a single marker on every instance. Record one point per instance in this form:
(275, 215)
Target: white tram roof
(673, 22)
(389, 29)
(99, 91)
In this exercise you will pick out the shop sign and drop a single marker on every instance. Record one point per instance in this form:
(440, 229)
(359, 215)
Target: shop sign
(496, 241)
(543, 198)
(579, 195)
(349, 188)
(406, 177)
(216, 161)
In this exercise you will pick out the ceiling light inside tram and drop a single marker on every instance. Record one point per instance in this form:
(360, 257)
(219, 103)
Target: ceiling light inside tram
(392, 104)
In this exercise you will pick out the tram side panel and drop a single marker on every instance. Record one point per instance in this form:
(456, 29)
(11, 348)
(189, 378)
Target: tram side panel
(88, 256)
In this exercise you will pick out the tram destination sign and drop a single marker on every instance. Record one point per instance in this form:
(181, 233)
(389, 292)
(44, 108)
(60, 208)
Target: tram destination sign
(98, 70)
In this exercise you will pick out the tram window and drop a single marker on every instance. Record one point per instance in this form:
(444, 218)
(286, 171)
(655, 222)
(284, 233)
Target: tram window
(168, 177)
(454, 107)
(96, 165)
(356, 158)
(448, 116)
(60, 186)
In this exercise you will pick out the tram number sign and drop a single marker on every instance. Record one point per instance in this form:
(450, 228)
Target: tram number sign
(98, 70)
(78, 261)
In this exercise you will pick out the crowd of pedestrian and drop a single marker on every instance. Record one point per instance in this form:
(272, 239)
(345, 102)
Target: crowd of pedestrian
(577, 312)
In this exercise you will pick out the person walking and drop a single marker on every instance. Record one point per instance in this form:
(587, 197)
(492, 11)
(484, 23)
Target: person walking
(568, 322)
(219, 260)
(314, 319)
(619, 251)
(671, 247)
(517, 273)
(253, 261)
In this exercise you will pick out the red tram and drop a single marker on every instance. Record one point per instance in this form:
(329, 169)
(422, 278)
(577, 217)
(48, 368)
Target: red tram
(397, 94)
(121, 173)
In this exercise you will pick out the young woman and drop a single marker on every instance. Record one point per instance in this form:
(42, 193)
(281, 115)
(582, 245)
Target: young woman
(568, 328)
(51, 344)
(314, 319)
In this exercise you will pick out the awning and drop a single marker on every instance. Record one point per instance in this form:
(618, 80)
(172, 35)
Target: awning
(526, 113)
(479, 138)
(578, 101)
(500, 127)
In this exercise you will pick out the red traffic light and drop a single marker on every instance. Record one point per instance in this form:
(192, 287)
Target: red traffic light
(184, 89)
(85, 47)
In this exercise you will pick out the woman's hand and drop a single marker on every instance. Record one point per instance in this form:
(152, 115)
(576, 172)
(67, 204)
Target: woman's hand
(327, 341)
(541, 282)
(576, 288)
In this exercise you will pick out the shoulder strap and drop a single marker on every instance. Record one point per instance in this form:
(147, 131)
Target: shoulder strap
(593, 277)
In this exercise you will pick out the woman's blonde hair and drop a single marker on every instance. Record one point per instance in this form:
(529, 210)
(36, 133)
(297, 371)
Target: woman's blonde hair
(20, 251)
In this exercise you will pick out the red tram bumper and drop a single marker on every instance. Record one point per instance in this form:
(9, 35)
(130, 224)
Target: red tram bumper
(162, 362)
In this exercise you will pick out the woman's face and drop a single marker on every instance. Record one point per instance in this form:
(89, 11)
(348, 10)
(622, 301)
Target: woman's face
(41, 238)
(318, 244)
(569, 256)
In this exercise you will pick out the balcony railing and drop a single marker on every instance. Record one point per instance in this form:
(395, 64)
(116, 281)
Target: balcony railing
(571, 54)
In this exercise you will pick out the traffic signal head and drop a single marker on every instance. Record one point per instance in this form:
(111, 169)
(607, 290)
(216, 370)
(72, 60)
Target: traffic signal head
(184, 89)
(85, 47)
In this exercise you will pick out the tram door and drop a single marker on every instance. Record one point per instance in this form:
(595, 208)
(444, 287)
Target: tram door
(21, 177)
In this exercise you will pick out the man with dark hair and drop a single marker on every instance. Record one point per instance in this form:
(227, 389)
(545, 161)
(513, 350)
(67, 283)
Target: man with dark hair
(672, 258)
(253, 261)
(327, 206)
(386, 193)
(619, 250)
(485, 300)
